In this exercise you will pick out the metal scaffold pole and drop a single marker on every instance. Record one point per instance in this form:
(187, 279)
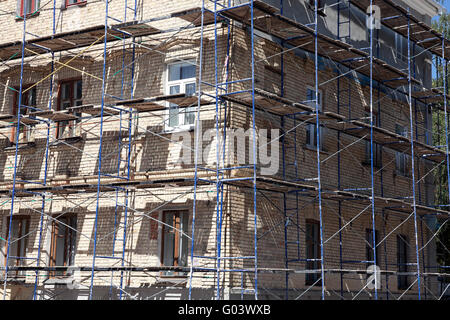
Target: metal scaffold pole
(372, 165)
(318, 137)
(413, 172)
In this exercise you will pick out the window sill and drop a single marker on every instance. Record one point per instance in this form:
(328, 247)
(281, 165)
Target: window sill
(179, 129)
(66, 142)
(22, 147)
(366, 163)
(400, 174)
(172, 281)
(312, 148)
(28, 16)
(75, 5)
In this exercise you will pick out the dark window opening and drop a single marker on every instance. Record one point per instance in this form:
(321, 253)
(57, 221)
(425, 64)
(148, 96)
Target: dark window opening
(174, 245)
(369, 247)
(28, 102)
(320, 6)
(402, 260)
(17, 242)
(62, 249)
(313, 252)
(70, 95)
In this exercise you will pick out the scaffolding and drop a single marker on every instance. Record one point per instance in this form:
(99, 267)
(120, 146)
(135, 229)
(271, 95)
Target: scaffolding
(257, 20)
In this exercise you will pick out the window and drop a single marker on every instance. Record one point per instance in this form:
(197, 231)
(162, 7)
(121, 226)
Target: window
(400, 157)
(376, 147)
(174, 245)
(74, 2)
(27, 7)
(402, 260)
(28, 100)
(369, 246)
(181, 78)
(18, 242)
(62, 249)
(70, 95)
(399, 47)
(429, 126)
(312, 252)
(311, 128)
(320, 6)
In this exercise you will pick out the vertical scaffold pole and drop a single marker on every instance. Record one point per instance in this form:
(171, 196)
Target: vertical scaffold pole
(50, 105)
(372, 167)
(318, 137)
(196, 147)
(445, 85)
(254, 149)
(219, 185)
(19, 104)
(413, 172)
(105, 37)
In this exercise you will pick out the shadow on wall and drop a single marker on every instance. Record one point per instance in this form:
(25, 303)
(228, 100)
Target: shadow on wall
(68, 162)
(30, 164)
(155, 151)
(3, 156)
(108, 217)
(114, 152)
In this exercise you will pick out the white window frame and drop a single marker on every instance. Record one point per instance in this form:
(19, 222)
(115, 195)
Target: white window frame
(311, 126)
(182, 126)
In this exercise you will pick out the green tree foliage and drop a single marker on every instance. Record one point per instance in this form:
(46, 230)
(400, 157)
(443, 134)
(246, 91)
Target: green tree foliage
(441, 197)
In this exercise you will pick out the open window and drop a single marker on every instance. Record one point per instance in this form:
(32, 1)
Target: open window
(70, 95)
(181, 78)
(18, 242)
(174, 243)
(62, 249)
(28, 102)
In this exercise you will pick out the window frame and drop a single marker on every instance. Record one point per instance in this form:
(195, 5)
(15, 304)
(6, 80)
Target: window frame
(21, 218)
(78, 3)
(182, 126)
(401, 157)
(377, 148)
(369, 249)
(311, 278)
(399, 47)
(21, 8)
(28, 129)
(320, 6)
(74, 125)
(311, 127)
(183, 216)
(71, 235)
(402, 280)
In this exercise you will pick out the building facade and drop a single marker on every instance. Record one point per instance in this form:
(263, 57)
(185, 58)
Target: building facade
(160, 151)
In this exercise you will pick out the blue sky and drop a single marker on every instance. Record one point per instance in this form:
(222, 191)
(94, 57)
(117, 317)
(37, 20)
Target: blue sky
(447, 5)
